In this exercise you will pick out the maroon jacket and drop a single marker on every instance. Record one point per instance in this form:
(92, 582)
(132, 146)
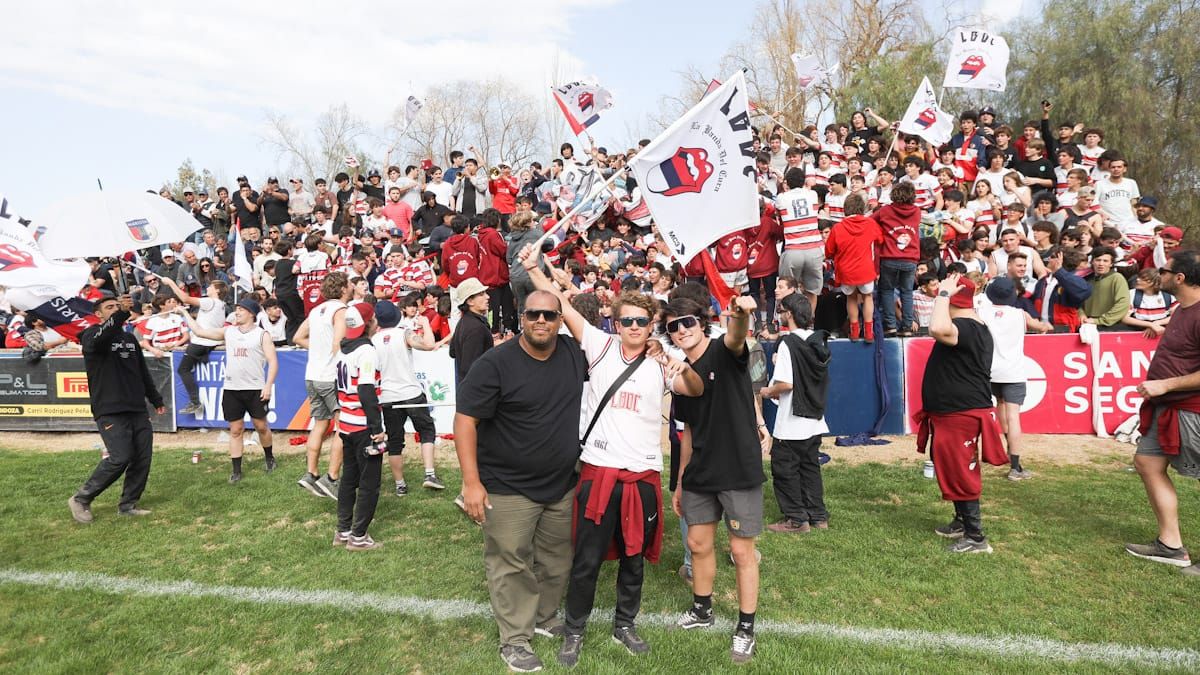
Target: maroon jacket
(901, 225)
(493, 270)
(461, 255)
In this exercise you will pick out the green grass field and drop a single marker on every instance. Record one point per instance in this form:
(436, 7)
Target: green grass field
(1058, 573)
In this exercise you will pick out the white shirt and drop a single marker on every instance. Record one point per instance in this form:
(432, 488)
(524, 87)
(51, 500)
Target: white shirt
(1007, 325)
(301, 202)
(211, 317)
(441, 191)
(1116, 201)
(627, 435)
(276, 329)
(789, 427)
(397, 377)
(322, 353)
(245, 360)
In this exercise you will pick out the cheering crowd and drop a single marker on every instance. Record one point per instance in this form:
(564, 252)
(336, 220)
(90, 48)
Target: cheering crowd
(565, 343)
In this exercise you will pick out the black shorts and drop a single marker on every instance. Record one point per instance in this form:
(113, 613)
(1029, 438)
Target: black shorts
(235, 405)
(394, 418)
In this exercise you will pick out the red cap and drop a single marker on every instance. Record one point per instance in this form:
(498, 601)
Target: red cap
(358, 317)
(1173, 233)
(965, 297)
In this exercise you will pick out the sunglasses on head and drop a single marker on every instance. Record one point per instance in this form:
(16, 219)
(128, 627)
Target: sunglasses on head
(542, 314)
(682, 322)
(629, 321)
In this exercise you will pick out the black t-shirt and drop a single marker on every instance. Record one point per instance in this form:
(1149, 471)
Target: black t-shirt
(528, 412)
(245, 216)
(285, 278)
(344, 197)
(960, 377)
(725, 451)
(1041, 168)
(375, 191)
(275, 210)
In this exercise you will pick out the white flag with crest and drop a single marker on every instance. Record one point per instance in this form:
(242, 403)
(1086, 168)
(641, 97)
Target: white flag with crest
(926, 119)
(808, 69)
(412, 107)
(698, 176)
(978, 60)
(582, 103)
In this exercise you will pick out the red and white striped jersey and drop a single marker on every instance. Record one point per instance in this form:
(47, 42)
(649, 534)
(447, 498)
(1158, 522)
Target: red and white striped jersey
(835, 206)
(417, 271)
(798, 215)
(837, 154)
(984, 215)
(1151, 307)
(821, 176)
(1060, 179)
(927, 188)
(1089, 156)
(360, 366)
(164, 329)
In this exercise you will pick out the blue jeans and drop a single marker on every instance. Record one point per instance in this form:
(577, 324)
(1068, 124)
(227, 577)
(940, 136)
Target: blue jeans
(893, 275)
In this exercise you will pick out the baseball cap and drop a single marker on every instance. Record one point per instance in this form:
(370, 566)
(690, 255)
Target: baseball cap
(965, 297)
(358, 316)
(249, 305)
(372, 173)
(1173, 233)
(243, 179)
(190, 279)
(396, 232)
(168, 252)
(386, 314)
(987, 110)
(202, 191)
(1148, 201)
(273, 179)
(1002, 291)
(297, 180)
(189, 191)
(1087, 191)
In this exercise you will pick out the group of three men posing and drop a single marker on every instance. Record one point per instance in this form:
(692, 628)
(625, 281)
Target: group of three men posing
(518, 432)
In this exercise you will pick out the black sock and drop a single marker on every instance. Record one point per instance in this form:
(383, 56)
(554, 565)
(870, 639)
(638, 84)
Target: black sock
(745, 622)
(331, 478)
(702, 604)
(1015, 462)
(267, 452)
(237, 464)
(1169, 548)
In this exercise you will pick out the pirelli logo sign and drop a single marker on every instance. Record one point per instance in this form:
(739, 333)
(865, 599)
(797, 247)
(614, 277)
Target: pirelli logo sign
(72, 385)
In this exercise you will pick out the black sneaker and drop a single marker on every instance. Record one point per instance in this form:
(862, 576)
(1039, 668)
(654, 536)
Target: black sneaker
(432, 482)
(235, 477)
(402, 489)
(568, 653)
(553, 628)
(968, 545)
(952, 530)
(269, 464)
(520, 659)
(743, 647)
(628, 637)
(1158, 552)
(693, 619)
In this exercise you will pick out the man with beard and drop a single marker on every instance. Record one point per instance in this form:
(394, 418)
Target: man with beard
(516, 435)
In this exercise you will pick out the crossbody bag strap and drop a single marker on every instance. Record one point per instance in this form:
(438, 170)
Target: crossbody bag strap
(612, 390)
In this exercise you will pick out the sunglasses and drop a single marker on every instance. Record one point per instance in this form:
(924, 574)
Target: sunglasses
(641, 321)
(1167, 272)
(547, 315)
(682, 322)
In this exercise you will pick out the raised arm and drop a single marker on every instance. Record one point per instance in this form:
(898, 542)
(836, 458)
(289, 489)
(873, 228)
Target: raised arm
(739, 323)
(941, 327)
(207, 333)
(530, 259)
(423, 340)
(179, 292)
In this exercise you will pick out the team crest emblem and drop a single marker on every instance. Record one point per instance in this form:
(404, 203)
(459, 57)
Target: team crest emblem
(684, 172)
(926, 118)
(971, 68)
(141, 229)
(13, 258)
(586, 101)
(461, 267)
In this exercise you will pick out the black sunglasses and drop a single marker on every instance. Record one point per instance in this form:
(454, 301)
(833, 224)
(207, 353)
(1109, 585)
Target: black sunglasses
(682, 322)
(628, 321)
(1166, 271)
(542, 314)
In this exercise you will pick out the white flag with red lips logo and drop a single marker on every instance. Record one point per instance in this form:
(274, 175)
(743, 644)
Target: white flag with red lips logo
(581, 103)
(925, 118)
(698, 176)
(24, 266)
(978, 60)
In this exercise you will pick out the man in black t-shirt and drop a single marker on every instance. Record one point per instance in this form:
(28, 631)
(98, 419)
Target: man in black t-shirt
(274, 202)
(517, 438)
(720, 465)
(1037, 169)
(957, 410)
(245, 206)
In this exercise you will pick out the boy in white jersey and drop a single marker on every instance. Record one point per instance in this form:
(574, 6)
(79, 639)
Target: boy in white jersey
(320, 334)
(622, 459)
(165, 330)
(929, 191)
(803, 256)
(360, 427)
(835, 200)
(248, 349)
(402, 397)
(210, 316)
(272, 320)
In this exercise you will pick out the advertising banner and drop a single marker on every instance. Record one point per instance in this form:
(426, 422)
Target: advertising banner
(52, 395)
(1063, 388)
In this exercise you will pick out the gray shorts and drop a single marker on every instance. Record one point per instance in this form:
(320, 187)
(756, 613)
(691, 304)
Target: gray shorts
(1011, 392)
(1187, 462)
(742, 509)
(807, 267)
(322, 399)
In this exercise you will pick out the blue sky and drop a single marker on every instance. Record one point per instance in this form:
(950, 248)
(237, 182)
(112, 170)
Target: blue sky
(125, 96)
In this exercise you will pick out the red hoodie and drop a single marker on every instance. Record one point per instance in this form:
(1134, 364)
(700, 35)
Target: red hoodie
(733, 251)
(461, 255)
(851, 245)
(764, 250)
(901, 225)
(493, 270)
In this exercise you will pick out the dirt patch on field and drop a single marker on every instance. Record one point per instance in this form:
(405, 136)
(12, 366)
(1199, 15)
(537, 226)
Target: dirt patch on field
(1044, 449)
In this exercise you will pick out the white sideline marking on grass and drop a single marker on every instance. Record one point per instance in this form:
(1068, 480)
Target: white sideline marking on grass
(1013, 646)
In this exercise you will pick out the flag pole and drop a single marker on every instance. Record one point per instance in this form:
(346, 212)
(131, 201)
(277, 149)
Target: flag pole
(571, 214)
